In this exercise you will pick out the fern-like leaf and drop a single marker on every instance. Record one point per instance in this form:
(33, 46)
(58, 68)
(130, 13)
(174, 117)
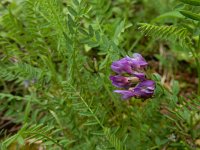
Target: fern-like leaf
(171, 33)
(34, 133)
(85, 109)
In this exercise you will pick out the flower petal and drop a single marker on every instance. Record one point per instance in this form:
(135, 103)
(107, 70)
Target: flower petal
(126, 94)
(120, 81)
(144, 89)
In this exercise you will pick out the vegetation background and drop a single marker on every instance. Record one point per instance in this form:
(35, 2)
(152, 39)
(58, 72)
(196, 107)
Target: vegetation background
(55, 58)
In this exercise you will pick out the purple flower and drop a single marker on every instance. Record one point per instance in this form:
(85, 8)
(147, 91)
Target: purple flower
(128, 64)
(144, 89)
(134, 67)
(123, 82)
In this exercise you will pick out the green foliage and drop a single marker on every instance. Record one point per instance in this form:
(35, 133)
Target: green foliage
(85, 110)
(191, 2)
(34, 133)
(185, 117)
(190, 15)
(171, 33)
(55, 68)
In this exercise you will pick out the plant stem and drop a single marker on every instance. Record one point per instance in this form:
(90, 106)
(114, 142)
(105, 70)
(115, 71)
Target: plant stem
(195, 55)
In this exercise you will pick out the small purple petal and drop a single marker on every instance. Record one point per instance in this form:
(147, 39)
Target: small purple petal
(141, 76)
(121, 66)
(137, 61)
(147, 83)
(144, 89)
(126, 94)
(140, 59)
(120, 81)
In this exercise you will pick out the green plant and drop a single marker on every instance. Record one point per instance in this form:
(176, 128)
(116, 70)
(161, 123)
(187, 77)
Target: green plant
(55, 68)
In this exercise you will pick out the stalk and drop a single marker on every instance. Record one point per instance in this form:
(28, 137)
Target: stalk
(198, 68)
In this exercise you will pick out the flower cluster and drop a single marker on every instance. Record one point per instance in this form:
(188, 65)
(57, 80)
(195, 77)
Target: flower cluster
(131, 77)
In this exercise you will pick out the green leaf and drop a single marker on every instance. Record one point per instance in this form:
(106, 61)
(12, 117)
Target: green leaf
(71, 21)
(103, 63)
(20, 140)
(81, 30)
(76, 2)
(88, 114)
(72, 11)
(71, 24)
(118, 31)
(93, 44)
(191, 2)
(97, 35)
(69, 42)
(190, 15)
(91, 31)
(168, 15)
(98, 133)
(91, 123)
(157, 140)
(156, 77)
